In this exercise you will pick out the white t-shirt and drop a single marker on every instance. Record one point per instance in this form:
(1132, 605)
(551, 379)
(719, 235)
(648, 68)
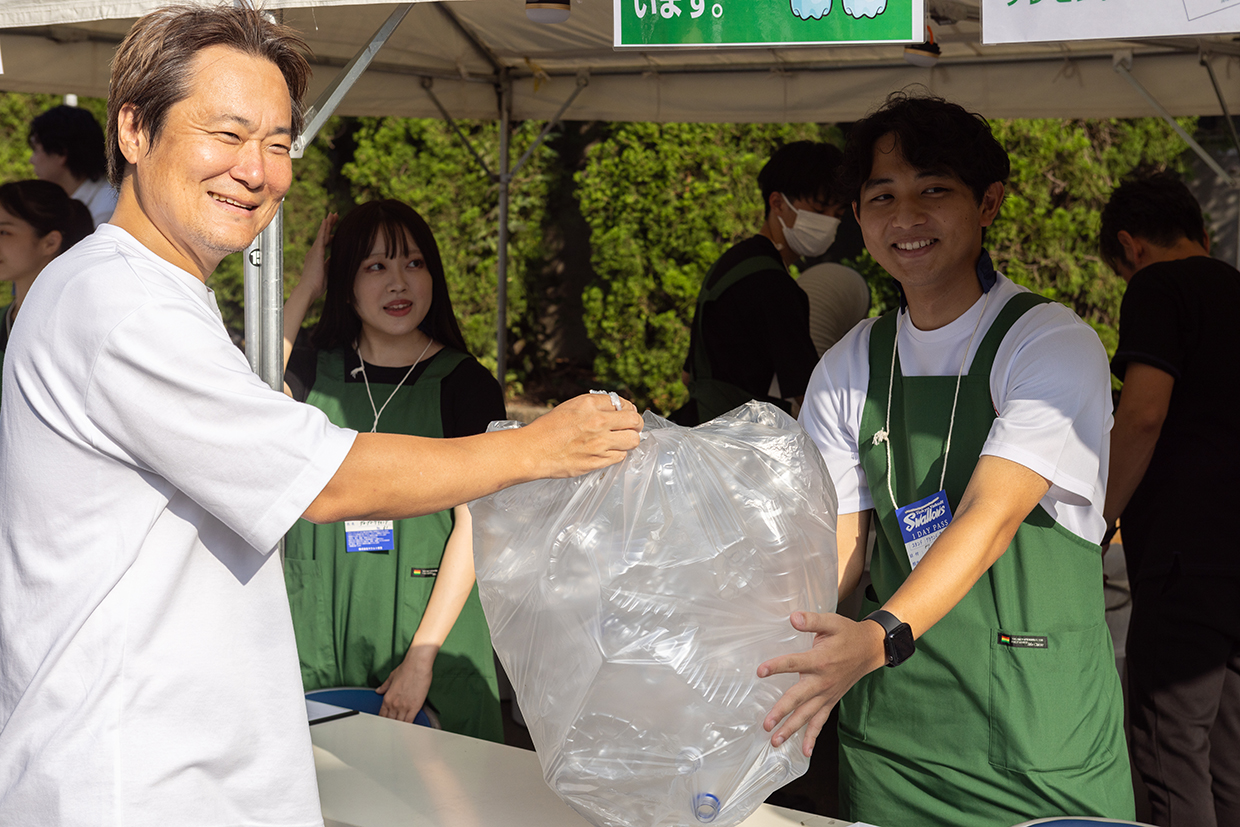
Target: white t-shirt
(148, 672)
(99, 197)
(838, 299)
(1050, 385)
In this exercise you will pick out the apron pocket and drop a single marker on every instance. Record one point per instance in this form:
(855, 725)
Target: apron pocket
(1043, 693)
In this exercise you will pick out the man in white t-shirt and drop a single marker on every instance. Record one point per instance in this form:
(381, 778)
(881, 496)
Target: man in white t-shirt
(148, 672)
(971, 426)
(67, 148)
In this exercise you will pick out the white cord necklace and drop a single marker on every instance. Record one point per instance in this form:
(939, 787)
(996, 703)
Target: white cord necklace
(375, 428)
(885, 433)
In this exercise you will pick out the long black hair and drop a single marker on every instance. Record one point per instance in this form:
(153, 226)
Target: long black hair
(45, 207)
(355, 237)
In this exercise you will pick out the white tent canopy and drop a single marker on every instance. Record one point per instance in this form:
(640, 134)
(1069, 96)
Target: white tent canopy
(467, 47)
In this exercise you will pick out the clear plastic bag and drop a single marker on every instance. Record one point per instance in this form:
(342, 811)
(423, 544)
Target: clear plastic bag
(632, 606)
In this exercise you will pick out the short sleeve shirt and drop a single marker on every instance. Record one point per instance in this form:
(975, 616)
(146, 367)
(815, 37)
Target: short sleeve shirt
(150, 674)
(1049, 386)
(1179, 317)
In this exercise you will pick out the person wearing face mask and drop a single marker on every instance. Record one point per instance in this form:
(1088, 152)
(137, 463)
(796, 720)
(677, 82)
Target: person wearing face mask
(750, 335)
(390, 605)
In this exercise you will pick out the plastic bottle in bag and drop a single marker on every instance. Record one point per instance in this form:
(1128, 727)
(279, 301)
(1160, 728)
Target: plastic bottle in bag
(632, 606)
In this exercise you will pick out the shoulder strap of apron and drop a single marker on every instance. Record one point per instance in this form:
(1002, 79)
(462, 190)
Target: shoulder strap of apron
(714, 396)
(1017, 306)
(701, 364)
(443, 363)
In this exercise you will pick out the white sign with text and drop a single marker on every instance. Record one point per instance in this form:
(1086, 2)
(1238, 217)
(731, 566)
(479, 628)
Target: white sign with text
(1032, 21)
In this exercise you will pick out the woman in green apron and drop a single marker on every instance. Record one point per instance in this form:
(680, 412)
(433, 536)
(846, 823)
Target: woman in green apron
(381, 604)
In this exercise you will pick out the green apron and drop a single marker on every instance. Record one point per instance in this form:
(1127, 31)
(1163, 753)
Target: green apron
(973, 731)
(714, 396)
(355, 613)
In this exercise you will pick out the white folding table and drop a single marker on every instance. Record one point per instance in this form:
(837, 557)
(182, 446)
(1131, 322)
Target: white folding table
(375, 772)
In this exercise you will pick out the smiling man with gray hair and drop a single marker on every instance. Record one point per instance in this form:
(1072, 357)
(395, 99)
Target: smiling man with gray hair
(149, 669)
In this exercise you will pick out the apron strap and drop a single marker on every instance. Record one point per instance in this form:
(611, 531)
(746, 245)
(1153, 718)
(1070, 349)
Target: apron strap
(1016, 307)
(715, 396)
(708, 294)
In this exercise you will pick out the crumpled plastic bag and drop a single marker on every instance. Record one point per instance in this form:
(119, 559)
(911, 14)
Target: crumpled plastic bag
(631, 608)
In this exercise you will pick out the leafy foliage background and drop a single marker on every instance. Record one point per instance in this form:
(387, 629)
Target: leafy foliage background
(614, 225)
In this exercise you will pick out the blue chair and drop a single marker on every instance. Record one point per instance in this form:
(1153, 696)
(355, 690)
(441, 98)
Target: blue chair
(364, 699)
(1081, 821)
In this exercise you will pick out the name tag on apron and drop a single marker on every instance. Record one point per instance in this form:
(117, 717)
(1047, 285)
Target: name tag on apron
(921, 524)
(369, 535)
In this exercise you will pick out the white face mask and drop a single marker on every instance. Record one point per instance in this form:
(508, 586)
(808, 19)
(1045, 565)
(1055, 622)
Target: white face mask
(811, 234)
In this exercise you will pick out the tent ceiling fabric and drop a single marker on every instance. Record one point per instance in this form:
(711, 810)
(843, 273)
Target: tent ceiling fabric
(64, 46)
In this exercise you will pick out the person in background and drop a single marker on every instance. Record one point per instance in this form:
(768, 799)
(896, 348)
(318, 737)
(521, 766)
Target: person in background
(750, 335)
(971, 423)
(67, 148)
(838, 296)
(388, 356)
(38, 222)
(1175, 455)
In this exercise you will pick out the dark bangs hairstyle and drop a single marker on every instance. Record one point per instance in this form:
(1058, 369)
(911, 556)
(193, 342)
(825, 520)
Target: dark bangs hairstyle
(46, 207)
(1157, 208)
(933, 135)
(75, 134)
(396, 223)
(801, 169)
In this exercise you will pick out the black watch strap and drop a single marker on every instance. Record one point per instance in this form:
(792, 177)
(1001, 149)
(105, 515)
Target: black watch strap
(884, 618)
(898, 640)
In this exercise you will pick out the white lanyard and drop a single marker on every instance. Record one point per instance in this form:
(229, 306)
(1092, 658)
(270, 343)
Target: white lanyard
(884, 434)
(374, 428)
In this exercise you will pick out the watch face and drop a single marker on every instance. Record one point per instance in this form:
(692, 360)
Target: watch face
(900, 645)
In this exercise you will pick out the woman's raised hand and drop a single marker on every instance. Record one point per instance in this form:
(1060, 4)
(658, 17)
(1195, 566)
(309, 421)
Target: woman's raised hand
(313, 281)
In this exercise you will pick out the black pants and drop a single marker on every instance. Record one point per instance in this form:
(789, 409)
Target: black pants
(1183, 657)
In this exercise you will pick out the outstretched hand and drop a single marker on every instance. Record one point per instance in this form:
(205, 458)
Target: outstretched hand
(844, 651)
(584, 434)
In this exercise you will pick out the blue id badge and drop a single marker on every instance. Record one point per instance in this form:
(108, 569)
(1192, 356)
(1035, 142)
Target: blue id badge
(369, 535)
(921, 524)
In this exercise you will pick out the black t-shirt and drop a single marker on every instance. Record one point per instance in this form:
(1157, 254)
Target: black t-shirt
(1180, 317)
(469, 397)
(758, 328)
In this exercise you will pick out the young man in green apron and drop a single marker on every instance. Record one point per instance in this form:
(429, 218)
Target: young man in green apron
(972, 426)
(750, 336)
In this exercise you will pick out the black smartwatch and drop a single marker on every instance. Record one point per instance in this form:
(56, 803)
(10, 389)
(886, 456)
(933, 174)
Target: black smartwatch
(898, 642)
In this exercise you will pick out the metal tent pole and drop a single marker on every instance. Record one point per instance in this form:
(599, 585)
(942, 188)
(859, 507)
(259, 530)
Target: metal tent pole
(1235, 139)
(252, 270)
(271, 239)
(263, 263)
(1122, 63)
(504, 179)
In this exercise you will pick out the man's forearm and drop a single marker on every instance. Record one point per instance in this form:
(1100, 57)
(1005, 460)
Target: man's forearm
(851, 535)
(392, 476)
(1143, 406)
(1000, 495)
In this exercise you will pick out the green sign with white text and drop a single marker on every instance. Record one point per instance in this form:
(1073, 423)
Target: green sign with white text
(678, 23)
